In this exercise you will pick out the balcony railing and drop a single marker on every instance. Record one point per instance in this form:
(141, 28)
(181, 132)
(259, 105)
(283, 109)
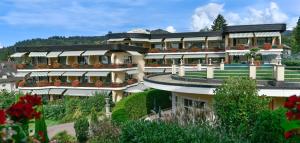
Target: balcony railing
(157, 65)
(171, 50)
(76, 83)
(75, 66)
(266, 46)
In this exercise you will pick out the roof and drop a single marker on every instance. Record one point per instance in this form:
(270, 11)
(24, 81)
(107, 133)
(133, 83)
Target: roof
(159, 31)
(186, 34)
(255, 28)
(110, 47)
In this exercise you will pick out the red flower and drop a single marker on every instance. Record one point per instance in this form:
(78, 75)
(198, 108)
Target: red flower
(31, 99)
(289, 104)
(289, 115)
(22, 111)
(2, 117)
(42, 136)
(297, 116)
(293, 99)
(288, 135)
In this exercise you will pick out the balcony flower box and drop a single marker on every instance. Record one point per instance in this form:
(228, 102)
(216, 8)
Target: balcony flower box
(75, 65)
(153, 65)
(241, 47)
(21, 66)
(154, 50)
(267, 46)
(41, 66)
(42, 83)
(21, 83)
(116, 84)
(75, 83)
(98, 83)
(172, 50)
(131, 81)
(56, 65)
(115, 66)
(129, 65)
(98, 65)
(57, 83)
(194, 49)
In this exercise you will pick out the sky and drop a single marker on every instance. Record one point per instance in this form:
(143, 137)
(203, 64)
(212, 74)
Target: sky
(27, 19)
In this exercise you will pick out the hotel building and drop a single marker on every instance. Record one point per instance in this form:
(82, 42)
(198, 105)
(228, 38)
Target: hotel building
(132, 61)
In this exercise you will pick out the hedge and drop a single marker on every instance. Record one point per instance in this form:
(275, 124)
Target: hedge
(140, 104)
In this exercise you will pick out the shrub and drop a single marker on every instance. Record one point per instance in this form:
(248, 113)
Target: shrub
(64, 137)
(55, 110)
(81, 127)
(138, 105)
(7, 99)
(237, 104)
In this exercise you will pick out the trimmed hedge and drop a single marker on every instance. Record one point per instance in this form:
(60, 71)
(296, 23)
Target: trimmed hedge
(140, 104)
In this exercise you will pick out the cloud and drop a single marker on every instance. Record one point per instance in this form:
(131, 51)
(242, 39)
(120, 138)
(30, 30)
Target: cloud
(205, 15)
(171, 29)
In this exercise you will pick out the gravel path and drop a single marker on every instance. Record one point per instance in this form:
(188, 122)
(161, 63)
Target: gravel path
(69, 127)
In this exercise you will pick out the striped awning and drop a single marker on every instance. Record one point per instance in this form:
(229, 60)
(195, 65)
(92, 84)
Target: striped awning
(80, 92)
(267, 34)
(194, 39)
(73, 73)
(154, 70)
(21, 74)
(241, 53)
(56, 91)
(24, 91)
(241, 35)
(98, 73)
(172, 40)
(132, 72)
(168, 70)
(214, 38)
(138, 88)
(94, 53)
(139, 39)
(214, 55)
(53, 54)
(194, 56)
(154, 57)
(37, 54)
(155, 40)
(191, 68)
(17, 55)
(55, 73)
(35, 74)
(270, 52)
(40, 91)
(134, 53)
(116, 39)
(173, 56)
(71, 53)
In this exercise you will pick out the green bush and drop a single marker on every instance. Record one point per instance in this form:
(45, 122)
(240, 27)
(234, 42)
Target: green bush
(161, 132)
(291, 62)
(140, 104)
(237, 104)
(55, 110)
(81, 127)
(7, 99)
(64, 137)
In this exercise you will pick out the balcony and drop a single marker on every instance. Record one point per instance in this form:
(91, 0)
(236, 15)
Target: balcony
(266, 46)
(75, 66)
(76, 83)
(174, 50)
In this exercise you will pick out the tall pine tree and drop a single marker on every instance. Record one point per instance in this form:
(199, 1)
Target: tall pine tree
(296, 35)
(219, 23)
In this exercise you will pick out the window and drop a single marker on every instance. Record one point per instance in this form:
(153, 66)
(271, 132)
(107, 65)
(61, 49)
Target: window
(262, 41)
(238, 41)
(63, 78)
(83, 79)
(138, 44)
(188, 103)
(127, 59)
(175, 45)
(83, 60)
(195, 45)
(128, 76)
(104, 59)
(157, 45)
(62, 60)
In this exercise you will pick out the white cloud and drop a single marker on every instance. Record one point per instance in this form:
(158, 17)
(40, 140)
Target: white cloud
(205, 15)
(171, 29)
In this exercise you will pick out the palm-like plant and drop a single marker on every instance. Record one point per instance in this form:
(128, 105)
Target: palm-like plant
(253, 54)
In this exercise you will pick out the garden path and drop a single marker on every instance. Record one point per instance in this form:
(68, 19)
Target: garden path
(69, 127)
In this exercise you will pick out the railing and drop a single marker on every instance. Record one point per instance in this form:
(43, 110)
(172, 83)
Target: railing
(157, 65)
(172, 50)
(292, 73)
(266, 46)
(75, 66)
(76, 84)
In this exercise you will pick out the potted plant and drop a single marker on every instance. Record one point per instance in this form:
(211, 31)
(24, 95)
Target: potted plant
(56, 65)
(153, 50)
(97, 65)
(267, 46)
(75, 65)
(21, 83)
(254, 53)
(172, 49)
(75, 83)
(57, 82)
(21, 66)
(240, 47)
(195, 49)
(42, 83)
(98, 83)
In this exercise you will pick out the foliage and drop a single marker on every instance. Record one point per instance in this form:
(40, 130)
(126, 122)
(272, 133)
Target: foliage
(64, 137)
(267, 127)
(296, 35)
(41, 128)
(7, 98)
(103, 131)
(140, 104)
(219, 23)
(237, 104)
(145, 131)
(81, 126)
(291, 61)
(55, 110)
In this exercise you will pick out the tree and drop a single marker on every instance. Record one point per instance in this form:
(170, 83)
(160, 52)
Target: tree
(219, 23)
(237, 104)
(296, 34)
(81, 127)
(205, 29)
